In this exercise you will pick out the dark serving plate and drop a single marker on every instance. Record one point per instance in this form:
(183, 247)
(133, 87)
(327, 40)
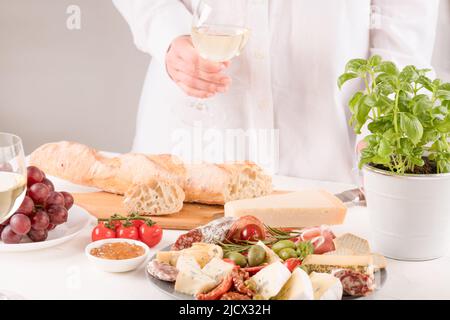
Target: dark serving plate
(168, 287)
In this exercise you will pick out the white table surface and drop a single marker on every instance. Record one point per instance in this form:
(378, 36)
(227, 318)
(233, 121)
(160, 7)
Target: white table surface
(63, 272)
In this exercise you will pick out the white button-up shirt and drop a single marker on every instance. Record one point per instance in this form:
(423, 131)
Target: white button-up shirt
(284, 99)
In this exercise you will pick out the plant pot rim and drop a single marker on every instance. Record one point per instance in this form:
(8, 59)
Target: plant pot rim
(407, 175)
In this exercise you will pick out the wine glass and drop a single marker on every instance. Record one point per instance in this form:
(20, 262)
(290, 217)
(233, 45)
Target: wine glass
(13, 175)
(216, 36)
(13, 184)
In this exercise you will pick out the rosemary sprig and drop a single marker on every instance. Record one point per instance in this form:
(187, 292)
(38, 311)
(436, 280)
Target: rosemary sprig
(275, 235)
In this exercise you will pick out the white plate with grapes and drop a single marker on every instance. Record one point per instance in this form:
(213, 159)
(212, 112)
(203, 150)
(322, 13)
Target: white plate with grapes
(43, 218)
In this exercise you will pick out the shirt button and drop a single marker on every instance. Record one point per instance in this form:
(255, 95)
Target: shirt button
(258, 54)
(264, 104)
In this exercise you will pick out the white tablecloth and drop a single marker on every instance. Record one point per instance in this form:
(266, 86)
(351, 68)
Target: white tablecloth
(63, 272)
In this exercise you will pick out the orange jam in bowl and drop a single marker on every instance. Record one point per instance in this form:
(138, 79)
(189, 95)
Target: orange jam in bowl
(118, 251)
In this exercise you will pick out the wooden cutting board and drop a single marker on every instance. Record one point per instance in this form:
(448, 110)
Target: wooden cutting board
(103, 205)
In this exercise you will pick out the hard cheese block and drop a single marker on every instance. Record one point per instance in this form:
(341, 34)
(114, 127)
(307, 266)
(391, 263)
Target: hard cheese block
(296, 209)
(326, 263)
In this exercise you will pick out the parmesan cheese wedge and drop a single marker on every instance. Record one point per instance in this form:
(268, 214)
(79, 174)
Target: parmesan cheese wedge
(307, 208)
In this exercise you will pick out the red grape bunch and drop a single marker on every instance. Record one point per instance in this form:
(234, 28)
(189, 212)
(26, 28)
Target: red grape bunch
(41, 210)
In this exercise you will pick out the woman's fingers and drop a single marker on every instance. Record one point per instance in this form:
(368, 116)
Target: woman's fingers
(197, 83)
(198, 77)
(190, 69)
(193, 92)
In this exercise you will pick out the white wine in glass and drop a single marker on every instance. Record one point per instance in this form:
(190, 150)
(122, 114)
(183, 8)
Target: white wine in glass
(13, 175)
(216, 36)
(219, 43)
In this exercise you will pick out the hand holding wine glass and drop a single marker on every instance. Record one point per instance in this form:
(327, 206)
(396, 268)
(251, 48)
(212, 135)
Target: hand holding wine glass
(196, 76)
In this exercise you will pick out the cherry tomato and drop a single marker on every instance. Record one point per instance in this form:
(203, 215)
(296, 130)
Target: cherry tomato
(229, 261)
(254, 270)
(101, 232)
(292, 263)
(127, 232)
(251, 232)
(137, 223)
(150, 234)
(116, 224)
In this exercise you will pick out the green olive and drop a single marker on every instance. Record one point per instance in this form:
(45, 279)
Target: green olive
(256, 255)
(283, 244)
(238, 258)
(287, 253)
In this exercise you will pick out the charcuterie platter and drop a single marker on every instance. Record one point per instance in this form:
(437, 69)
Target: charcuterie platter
(243, 259)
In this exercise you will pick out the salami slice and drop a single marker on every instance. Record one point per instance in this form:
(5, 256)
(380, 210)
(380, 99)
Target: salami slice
(354, 283)
(218, 291)
(235, 296)
(162, 271)
(212, 232)
(186, 240)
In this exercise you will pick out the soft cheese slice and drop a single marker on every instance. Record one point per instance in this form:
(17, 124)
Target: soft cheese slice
(202, 252)
(326, 263)
(271, 279)
(217, 269)
(190, 279)
(298, 287)
(296, 209)
(326, 286)
(358, 245)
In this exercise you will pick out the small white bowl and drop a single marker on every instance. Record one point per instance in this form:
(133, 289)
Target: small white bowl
(116, 265)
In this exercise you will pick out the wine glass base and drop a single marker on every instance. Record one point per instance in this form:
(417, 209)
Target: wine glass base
(199, 105)
(8, 295)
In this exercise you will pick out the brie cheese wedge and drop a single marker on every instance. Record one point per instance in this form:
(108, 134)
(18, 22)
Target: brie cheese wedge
(326, 286)
(298, 287)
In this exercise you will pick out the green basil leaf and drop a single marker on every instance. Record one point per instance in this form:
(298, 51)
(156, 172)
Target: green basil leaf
(387, 67)
(409, 74)
(354, 65)
(363, 109)
(426, 82)
(411, 127)
(443, 126)
(354, 100)
(385, 149)
(345, 77)
(443, 94)
(374, 60)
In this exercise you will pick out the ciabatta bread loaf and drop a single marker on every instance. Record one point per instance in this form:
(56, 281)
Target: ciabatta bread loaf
(202, 183)
(155, 198)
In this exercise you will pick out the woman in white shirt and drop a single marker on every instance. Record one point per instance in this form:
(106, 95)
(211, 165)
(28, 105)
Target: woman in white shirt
(281, 92)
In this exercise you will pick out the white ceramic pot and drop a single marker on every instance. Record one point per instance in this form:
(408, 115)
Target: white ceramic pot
(409, 214)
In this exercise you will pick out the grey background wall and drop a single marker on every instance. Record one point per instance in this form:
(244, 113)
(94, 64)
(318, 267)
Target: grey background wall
(84, 85)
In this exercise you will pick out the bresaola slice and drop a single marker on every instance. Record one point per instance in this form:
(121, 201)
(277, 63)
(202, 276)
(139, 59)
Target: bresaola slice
(320, 237)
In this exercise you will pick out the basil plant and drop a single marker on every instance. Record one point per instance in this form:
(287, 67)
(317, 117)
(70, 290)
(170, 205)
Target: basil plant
(406, 113)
